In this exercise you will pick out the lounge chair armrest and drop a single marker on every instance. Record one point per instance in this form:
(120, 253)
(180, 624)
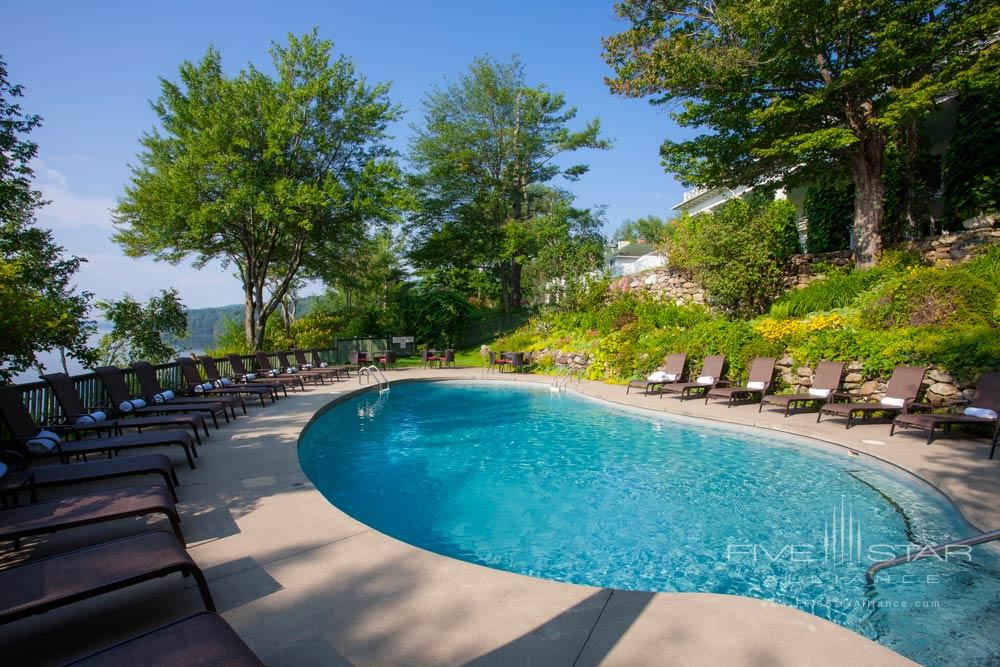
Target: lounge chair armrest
(15, 460)
(841, 397)
(723, 383)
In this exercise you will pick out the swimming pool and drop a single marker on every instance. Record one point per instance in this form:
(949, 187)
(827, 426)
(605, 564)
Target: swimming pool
(518, 478)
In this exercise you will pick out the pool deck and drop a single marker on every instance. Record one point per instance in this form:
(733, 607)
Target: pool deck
(305, 584)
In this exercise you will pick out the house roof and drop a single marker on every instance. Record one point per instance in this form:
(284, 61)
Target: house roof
(632, 250)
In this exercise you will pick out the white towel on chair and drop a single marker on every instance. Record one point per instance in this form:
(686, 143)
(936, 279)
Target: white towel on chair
(985, 413)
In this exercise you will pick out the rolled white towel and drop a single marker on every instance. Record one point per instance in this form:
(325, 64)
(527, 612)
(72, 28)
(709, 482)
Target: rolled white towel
(43, 443)
(705, 379)
(203, 387)
(132, 405)
(985, 413)
(819, 393)
(759, 386)
(893, 402)
(323, 365)
(308, 367)
(657, 376)
(273, 373)
(249, 376)
(92, 418)
(163, 397)
(292, 369)
(226, 382)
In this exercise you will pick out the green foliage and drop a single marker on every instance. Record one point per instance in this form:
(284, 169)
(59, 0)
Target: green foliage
(274, 175)
(650, 229)
(738, 252)
(839, 289)
(40, 309)
(931, 297)
(972, 163)
(829, 208)
(137, 330)
(435, 316)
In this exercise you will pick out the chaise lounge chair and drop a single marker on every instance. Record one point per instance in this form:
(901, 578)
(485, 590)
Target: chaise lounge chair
(154, 392)
(265, 369)
(122, 399)
(759, 381)
(49, 583)
(331, 372)
(317, 376)
(672, 371)
(27, 433)
(210, 389)
(76, 414)
(203, 639)
(318, 362)
(825, 383)
(900, 393)
(75, 511)
(214, 376)
(982, 409)
(241, 373)
(711, 374)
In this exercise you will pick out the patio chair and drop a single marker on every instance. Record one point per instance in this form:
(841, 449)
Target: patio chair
(330, 372)
(672, 371)
(902, 390)
(77, 417)
(30, 437)
(125, 403)
(210, 389)
(825, 383)
(269, 373)
(264, 379)
(449, 358)
(76, 511)
(155, 393)
(318, 362)
(216, 378)
(387, 359)
(428, 357)
(317, 376)
(49, 583)
(711, 376)
(981, 410)
(204, 639)
(759, 381)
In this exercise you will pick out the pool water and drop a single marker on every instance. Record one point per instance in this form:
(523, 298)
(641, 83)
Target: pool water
(563, 487)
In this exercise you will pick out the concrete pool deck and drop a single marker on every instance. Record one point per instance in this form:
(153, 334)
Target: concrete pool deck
(305, 584)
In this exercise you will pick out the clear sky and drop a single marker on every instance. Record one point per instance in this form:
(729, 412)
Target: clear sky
(90, 69)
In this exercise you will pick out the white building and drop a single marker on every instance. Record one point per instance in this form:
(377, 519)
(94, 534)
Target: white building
(701, 200)
(632, 257)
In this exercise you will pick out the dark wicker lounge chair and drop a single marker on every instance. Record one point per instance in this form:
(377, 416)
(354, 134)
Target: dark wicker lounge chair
(262, 389)
(317, 376)
(759, 381)
(318, 362)
(387, 359)
(23, 429)
(986, 398)
(114, 383)
(264, 367)
(196, 385)
(49, 583)
(331, 372)
(73, 409)
(151, 387)
(241, 373)
(711, 376)
(202, 639)
(21, 477)
(900, 393)
(673, 369)
(75, 511)
(825, 383)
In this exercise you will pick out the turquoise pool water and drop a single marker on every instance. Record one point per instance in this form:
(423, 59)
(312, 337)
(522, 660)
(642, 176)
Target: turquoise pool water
(562, 487)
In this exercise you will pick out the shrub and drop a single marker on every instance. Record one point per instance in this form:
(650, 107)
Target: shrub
(837, 290)
(930, 297)
(829, 208)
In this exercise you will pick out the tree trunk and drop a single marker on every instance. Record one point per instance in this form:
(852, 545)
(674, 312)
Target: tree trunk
(869, 199)
(249, 312)
(515, 285)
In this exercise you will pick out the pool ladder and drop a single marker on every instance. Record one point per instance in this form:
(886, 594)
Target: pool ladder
(926, 552)
(370, 372)
(563, 377)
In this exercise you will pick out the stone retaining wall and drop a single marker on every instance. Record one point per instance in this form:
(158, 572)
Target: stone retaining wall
(663, 283)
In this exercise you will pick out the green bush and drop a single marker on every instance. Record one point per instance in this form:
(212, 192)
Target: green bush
(837, 290)
(930, 297)
(829, 208)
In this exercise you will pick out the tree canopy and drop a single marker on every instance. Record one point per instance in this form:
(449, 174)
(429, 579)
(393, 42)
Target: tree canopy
(270, 175)
(649, 228)
(40, 308)
(137, 330)
(781, 88)
(486, 141)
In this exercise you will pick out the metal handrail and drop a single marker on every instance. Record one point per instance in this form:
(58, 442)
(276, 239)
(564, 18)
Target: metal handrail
(927, 552)
(374, 372)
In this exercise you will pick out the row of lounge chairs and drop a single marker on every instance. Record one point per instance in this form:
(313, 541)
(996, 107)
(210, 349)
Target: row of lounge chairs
(901, 401)
(160, 417)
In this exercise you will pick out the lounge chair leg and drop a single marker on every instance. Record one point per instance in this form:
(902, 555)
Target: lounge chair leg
(206, 594)
(930, 434)
(175, 522)
(892, 429)
(819, 415)
(190, 458)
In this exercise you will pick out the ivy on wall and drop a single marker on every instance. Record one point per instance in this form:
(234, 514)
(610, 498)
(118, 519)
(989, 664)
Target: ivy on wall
(829, 208)
(972, 163)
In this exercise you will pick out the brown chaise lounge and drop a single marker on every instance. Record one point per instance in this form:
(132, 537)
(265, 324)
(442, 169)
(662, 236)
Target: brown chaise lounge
(49, 583)
(213, 375)
(711, 374)
(151, 388)
(264, 368)
(114, 383)
(985, 399)
(900, 393)
(23, 429)
(317, 362)
(673, 369)
(54, 515)
(317, 375)
(825, 383)
(264, 379)
(759, 381)
(202, 639)
(189, 369)
(332, 372)
(73, 409)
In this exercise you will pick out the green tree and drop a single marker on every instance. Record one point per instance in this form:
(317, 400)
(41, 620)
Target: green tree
(789, 85)
(137, 330)
(650, 229)
(40, 309)
(486, 139)
(268, 174)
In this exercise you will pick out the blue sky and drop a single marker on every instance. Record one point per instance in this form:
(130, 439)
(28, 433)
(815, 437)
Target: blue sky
(90, 69)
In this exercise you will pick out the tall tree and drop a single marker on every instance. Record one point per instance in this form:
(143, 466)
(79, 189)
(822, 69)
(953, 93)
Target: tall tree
(650, 229)
(487, 138)
(40, 308)
(787, 85)
(267, 174)
(137, 329)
